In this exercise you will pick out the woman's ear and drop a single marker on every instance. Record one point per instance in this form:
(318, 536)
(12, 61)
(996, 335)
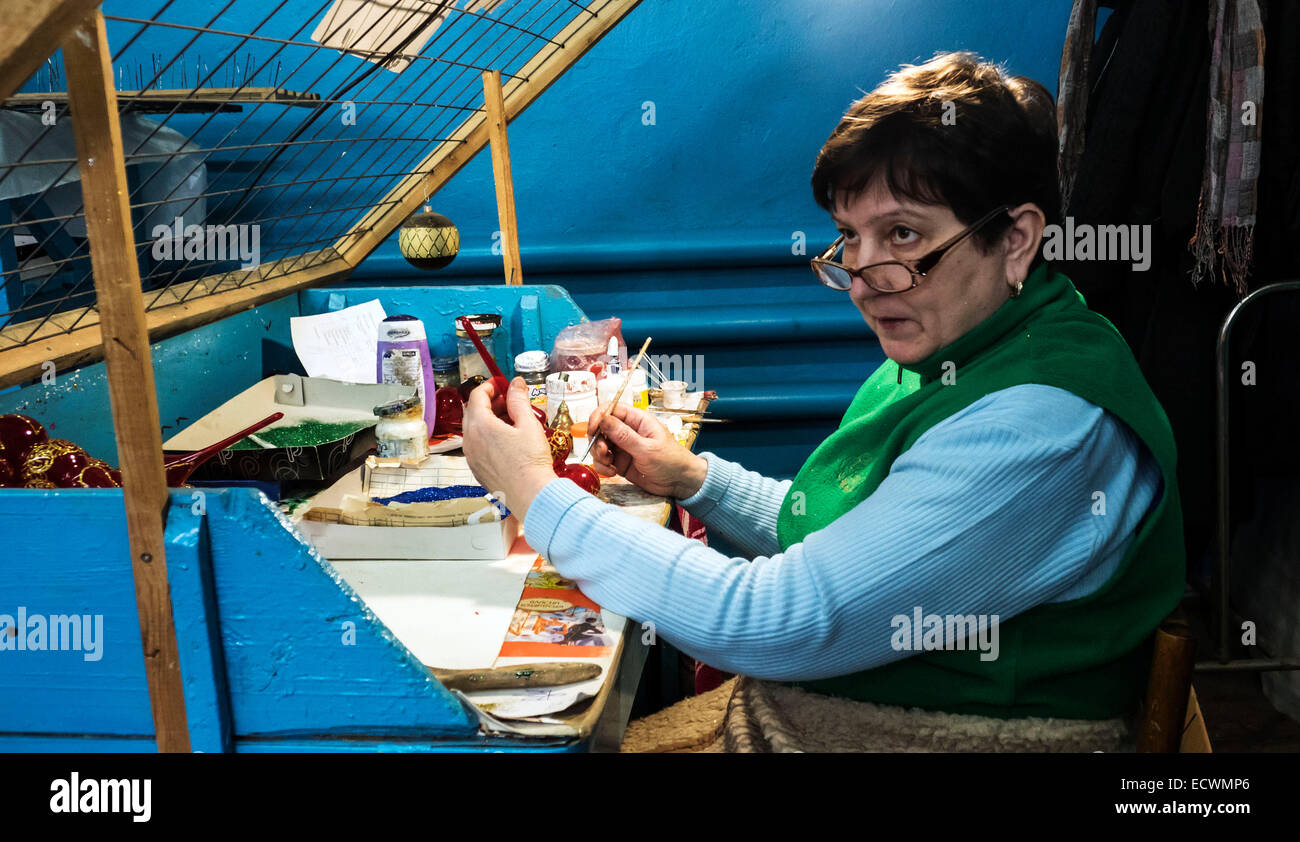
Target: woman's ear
(1022, 240)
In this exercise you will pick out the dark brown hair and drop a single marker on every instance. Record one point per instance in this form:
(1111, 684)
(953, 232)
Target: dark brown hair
(953, 131)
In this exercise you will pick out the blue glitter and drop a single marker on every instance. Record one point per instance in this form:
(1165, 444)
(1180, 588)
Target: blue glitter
(428, 495)
(450, 492)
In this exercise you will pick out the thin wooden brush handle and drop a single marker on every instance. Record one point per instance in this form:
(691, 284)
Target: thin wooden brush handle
(619, 394)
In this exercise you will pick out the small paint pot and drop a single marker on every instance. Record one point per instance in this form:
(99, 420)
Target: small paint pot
(674, 394)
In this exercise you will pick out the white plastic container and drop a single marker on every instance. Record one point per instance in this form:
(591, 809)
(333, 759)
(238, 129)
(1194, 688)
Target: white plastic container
(636, 394)
(579, 391)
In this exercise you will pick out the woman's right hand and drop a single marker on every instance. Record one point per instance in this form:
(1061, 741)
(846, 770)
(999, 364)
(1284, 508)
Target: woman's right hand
(636, 446)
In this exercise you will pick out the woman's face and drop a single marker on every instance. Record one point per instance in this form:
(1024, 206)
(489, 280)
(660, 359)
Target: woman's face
(959, 293)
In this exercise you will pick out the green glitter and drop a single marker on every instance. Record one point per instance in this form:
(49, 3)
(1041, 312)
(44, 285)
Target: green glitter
(305, 434)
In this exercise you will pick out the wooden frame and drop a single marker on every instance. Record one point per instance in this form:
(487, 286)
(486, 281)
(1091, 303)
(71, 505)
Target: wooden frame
(131, 390)
(33, 30)
(20, 361)
(494, 106)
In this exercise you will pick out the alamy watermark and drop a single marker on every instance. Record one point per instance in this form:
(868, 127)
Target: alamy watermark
(923, 632)
(208, 243)
(23, 632)
(74, 794)
(689, 368)
(1128, 243)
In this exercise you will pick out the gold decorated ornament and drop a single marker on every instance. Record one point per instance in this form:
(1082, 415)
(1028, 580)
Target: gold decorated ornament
(57, 461)
(563, 420)
(98, 474)
(561, 443)
(428, 240)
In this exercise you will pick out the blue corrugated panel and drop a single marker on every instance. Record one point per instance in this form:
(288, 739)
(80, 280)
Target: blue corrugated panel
(785, 354)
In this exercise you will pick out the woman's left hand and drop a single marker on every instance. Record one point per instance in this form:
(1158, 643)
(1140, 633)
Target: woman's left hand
(513, 461)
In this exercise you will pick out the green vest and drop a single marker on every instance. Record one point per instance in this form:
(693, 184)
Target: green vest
(1083, 659)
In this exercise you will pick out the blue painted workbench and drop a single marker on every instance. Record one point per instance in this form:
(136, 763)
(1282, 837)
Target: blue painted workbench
(277, 652)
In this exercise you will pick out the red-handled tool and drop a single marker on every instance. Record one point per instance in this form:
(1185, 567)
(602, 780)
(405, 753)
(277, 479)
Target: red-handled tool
(179, 467)
(499, 383)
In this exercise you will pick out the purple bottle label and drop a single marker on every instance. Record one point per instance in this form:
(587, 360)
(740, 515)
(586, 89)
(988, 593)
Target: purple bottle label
(404, 358)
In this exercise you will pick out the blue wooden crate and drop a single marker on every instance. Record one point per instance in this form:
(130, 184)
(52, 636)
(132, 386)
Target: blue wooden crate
(277, 652)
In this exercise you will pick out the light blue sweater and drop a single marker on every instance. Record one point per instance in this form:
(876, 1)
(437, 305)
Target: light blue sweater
(992, 511)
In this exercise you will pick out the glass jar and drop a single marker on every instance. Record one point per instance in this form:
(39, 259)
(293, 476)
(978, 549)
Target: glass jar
(533, 366)
(446, 371)
(485, 325)
(401, 432)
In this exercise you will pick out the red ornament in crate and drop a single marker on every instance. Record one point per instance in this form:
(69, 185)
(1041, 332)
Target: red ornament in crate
(98, 474)
(19, 434)
(9, 477)
(57, 461)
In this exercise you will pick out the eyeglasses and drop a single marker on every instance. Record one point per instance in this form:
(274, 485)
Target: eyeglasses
(891, 275)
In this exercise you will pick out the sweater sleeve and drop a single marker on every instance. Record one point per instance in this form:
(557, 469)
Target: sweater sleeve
(740, 504)
(989, 512)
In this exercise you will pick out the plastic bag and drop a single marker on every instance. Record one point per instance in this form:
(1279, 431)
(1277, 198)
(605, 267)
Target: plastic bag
(584, 347)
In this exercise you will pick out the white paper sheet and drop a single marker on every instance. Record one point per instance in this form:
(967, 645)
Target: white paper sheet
(526, 704)
(452, 614)
(340, 345)
(374, 28)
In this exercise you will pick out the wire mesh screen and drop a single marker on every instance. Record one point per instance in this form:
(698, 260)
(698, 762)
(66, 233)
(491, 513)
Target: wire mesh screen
(257, 138)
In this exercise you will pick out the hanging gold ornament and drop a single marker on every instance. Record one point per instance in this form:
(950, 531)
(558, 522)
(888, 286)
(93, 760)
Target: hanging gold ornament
(428, 240)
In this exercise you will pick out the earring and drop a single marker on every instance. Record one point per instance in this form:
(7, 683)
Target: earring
(1015, 293)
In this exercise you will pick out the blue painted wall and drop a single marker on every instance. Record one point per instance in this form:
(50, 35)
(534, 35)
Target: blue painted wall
(684, 227)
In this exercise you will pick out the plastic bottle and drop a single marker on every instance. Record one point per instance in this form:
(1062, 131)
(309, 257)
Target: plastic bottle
(404, 358)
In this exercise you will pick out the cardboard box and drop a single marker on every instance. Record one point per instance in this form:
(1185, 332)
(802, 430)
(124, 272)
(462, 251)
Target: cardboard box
(489, 540)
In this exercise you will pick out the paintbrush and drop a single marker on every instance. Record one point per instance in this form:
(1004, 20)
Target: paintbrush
(618, 395)
(654, 408)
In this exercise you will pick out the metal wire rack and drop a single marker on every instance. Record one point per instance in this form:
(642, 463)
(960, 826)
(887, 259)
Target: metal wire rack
(268, 146)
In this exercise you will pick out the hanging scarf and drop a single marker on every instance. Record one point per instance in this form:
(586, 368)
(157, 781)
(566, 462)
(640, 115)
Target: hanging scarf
(1072, 93)
(1225, 223)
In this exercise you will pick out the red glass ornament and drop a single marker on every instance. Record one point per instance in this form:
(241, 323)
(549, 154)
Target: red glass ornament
(451, 411)
(9, 477)
(585, 477)
(19, 434)
(66, 468)
(41, 459)
(97, 475)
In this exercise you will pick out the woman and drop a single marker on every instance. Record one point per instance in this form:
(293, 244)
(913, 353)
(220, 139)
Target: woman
(992, 533)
